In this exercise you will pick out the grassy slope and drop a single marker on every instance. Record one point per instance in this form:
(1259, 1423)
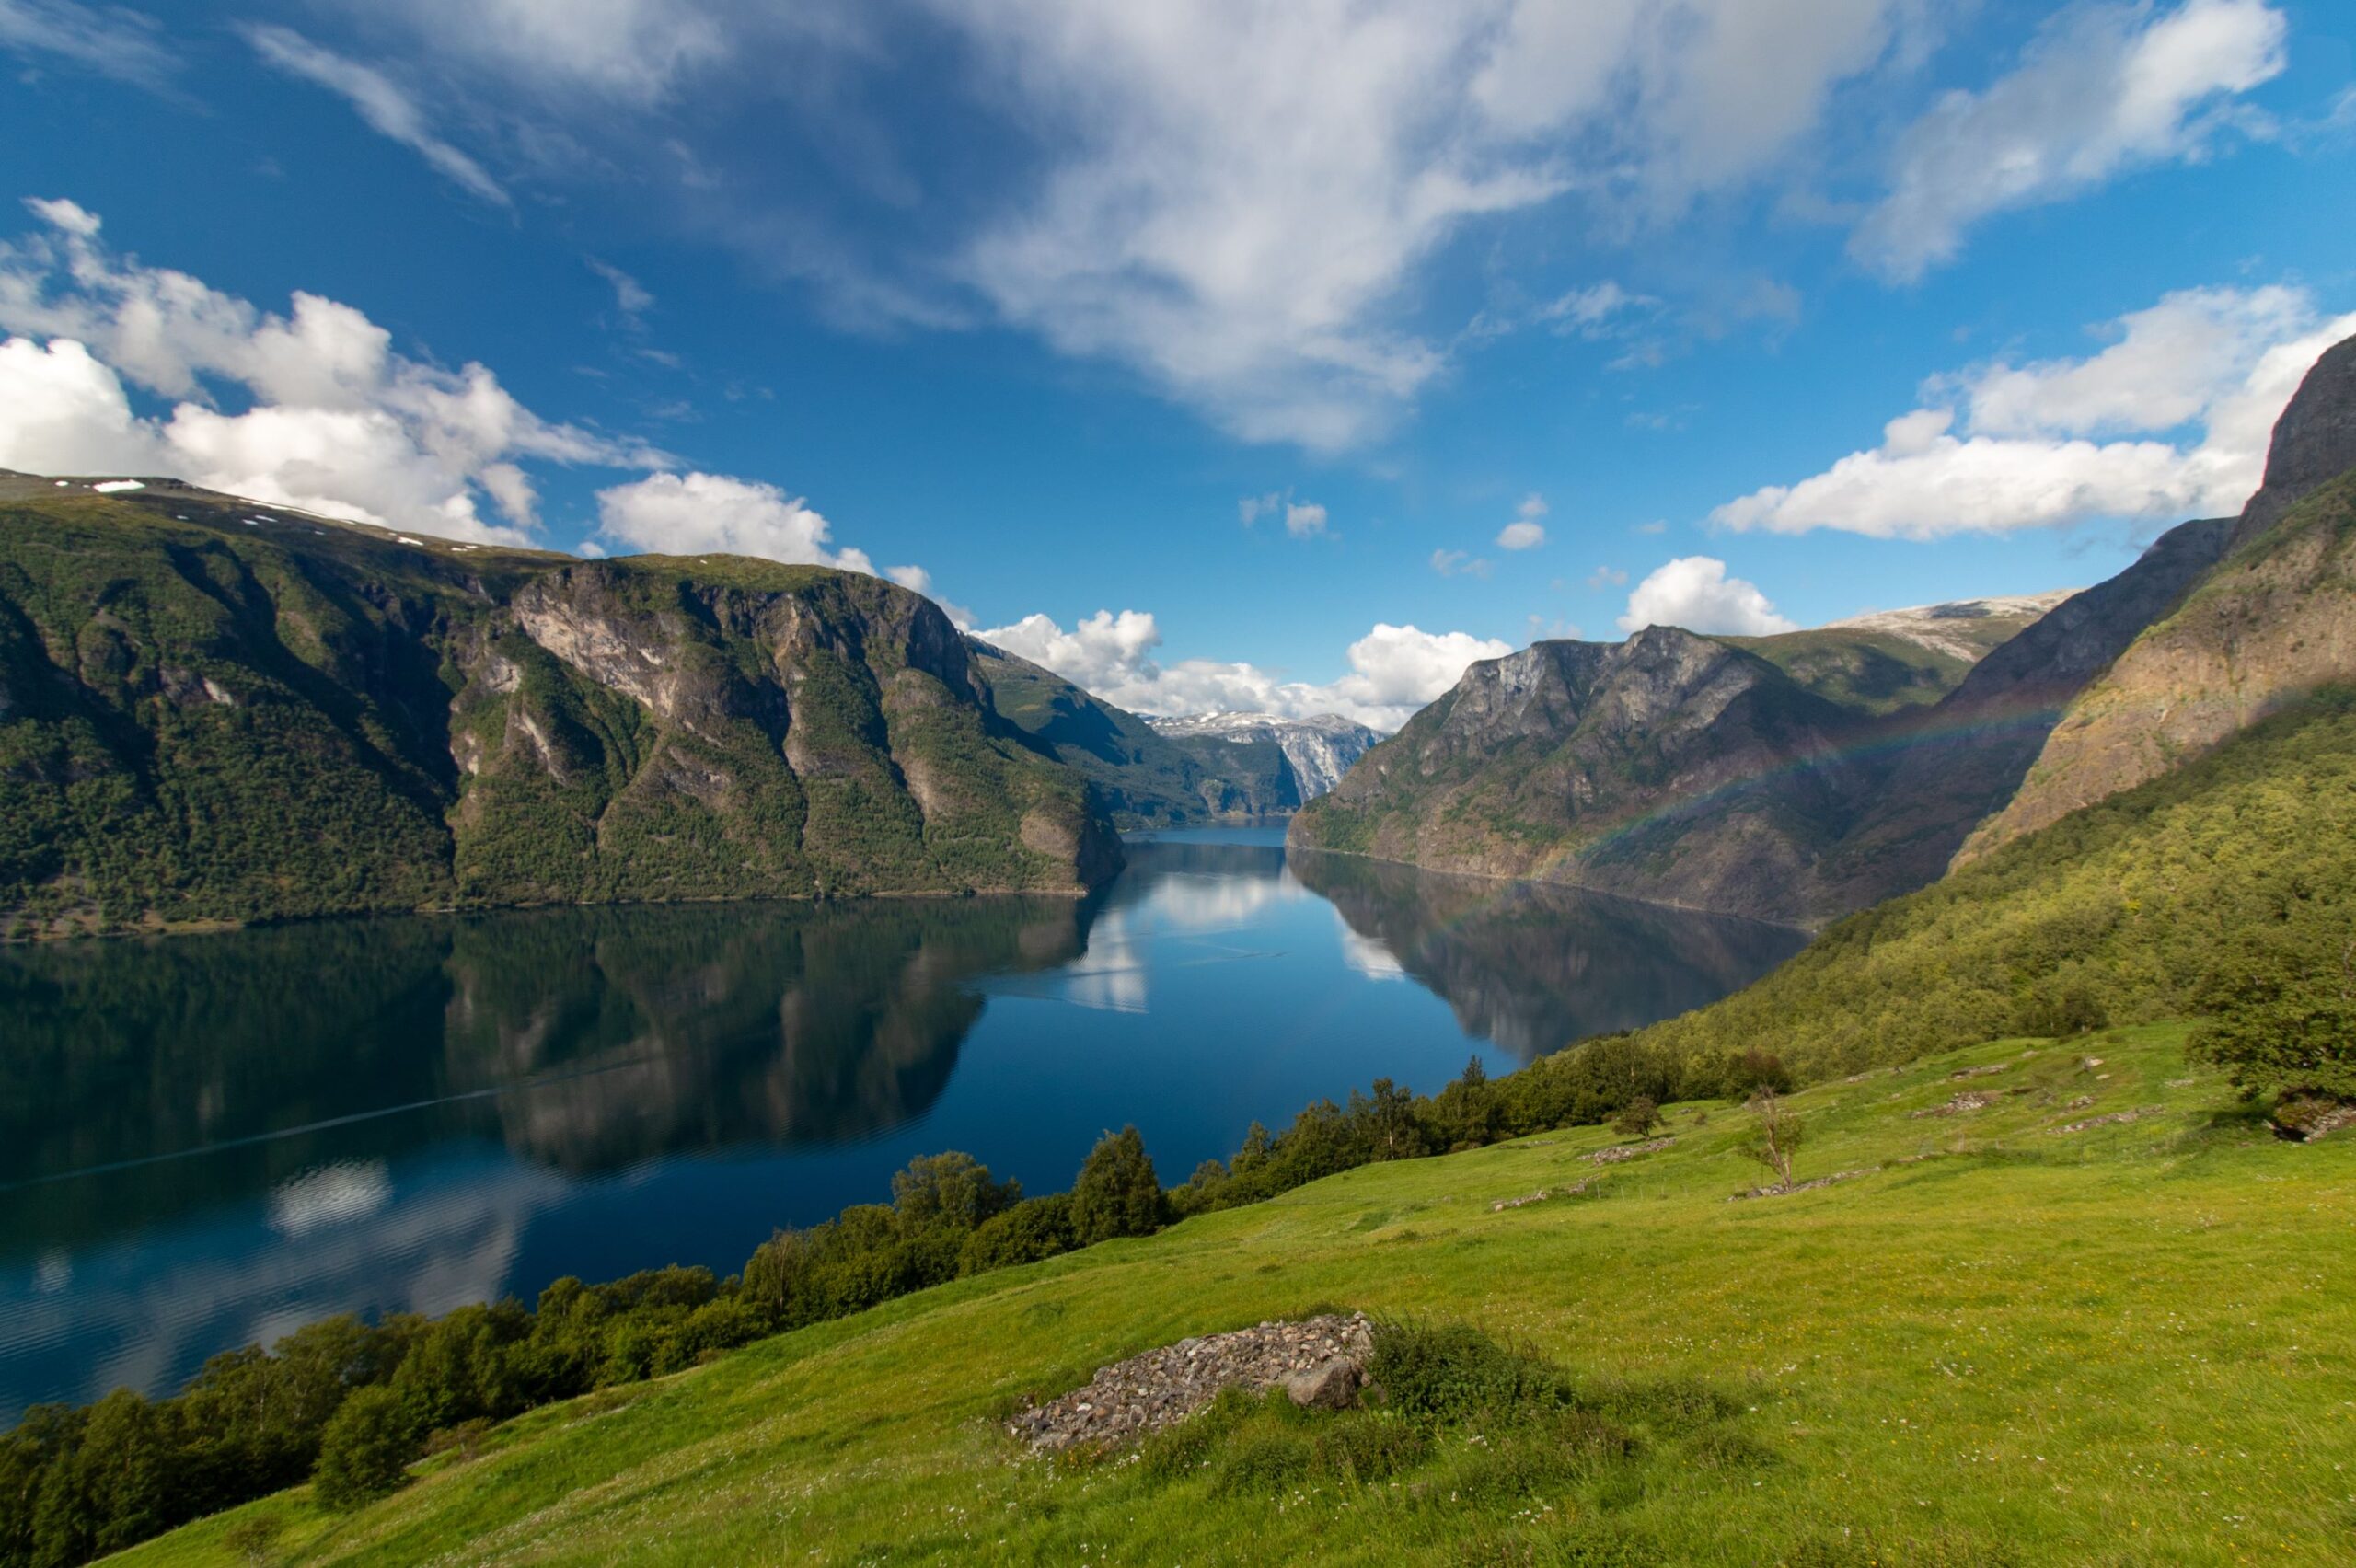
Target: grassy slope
(1871, 671)
(2130, 901)
(2134, 1345)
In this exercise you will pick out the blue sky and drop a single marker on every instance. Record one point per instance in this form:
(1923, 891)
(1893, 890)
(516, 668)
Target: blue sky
(1216, 354)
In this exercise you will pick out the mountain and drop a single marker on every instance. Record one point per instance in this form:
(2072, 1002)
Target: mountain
(1321, 748)
(1145, 779)
(1795, 777)
(214, 711)
(2272, 622)
(1677, 767)
(1892, 660)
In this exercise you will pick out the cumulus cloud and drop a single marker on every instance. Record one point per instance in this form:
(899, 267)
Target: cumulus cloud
(2000, 447)
(700, 513)
(2103, 90)
(1525, 532)
(1695, 592)
(1394, 670)
(385, 107)
(916, 579)
(334, 420)
(1304, 518)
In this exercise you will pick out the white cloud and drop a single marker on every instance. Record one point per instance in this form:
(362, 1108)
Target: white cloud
(1250, 189)
(631, 50)
(1304, 518)
(336, 421)
(1604, 577)
(696, 513)
(1394, 670)
(63, 412)
(115, 42)
(1456, 563)
(2043, 445)
(2103, 90)
(388, 109)
(1695, 592)
(1590, 312)
(1525, 532)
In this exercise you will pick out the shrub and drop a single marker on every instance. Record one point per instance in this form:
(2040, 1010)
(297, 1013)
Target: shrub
(365, 1451)
(1447, 1372)
(1031, 1229)
(2281, 1018)
(1638, 1117)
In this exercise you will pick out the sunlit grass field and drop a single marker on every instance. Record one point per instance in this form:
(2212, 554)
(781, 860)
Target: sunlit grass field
(2133, 1345)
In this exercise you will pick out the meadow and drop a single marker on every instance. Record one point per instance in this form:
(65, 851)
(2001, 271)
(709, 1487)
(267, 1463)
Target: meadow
(1998, 1343)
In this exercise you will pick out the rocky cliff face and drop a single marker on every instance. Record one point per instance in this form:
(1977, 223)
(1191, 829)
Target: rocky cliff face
(1671, 765)
(2272, 622)
(1320, 749)
(214, 712)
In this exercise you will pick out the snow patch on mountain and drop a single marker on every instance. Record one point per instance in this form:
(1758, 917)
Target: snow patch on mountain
(1961, 628)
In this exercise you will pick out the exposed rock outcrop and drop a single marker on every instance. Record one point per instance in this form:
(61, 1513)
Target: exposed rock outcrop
(1320, 749)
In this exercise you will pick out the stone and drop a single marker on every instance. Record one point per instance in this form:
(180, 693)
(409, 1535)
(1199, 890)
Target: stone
(1332, 1384)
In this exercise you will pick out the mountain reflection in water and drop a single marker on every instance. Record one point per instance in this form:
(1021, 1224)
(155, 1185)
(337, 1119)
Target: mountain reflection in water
(210, 1140)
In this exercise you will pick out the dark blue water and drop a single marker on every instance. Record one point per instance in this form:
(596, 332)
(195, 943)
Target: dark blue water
(208, 1141)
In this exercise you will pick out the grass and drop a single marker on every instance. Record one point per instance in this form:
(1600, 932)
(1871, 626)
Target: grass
(2131, 1345)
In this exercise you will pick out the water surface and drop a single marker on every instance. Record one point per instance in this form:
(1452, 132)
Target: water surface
(208, 1141)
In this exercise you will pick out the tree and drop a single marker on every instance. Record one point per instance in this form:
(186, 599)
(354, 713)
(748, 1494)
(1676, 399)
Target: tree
(365, 1451)
(1387, 1116)
(1780, 1134)
(1118, 1193)
(2282, 1016)
(950, 1189)
(1636, 1118)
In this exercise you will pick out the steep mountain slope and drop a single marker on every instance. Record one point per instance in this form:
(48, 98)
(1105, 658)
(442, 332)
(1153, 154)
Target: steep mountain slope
(2275, 619)
(1949, 769)
(1671, 766)
(1871, 797)
(212, 711)
(1146, 778)
(1321, 748)
(2118, 911)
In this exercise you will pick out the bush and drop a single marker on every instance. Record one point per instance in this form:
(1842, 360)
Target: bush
(1637, 1118)
(365, 1451)
(1031, 1229)
(1452, 1371)
(2281, 1018)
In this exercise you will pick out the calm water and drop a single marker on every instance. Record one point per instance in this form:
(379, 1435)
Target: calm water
(210, 1140)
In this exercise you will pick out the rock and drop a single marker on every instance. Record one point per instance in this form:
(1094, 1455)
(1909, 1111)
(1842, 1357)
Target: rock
(1131, 1398)
(1332, 1384)
(1961, 1105)
(2135, 1115)
(1619, 1152)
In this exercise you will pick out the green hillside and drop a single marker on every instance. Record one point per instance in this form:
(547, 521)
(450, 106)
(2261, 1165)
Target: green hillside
(1872, 672)
(2119, 912)
(213, 711)
(2001, 1344)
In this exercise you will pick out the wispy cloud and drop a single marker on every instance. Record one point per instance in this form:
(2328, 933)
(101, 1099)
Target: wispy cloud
(385, 108)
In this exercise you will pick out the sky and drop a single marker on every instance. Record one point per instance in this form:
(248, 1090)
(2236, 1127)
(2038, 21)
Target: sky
(1220, 354)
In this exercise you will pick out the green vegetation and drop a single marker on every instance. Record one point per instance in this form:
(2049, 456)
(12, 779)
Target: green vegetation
(2229, 884)
(1870, 671)
(207, 718)
(2002, 1343)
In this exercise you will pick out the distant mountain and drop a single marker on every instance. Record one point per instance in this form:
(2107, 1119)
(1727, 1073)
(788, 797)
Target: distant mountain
(1321, 748)
(1145, 779)
(2274, 621)
(215, 710)
(1793, 777)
